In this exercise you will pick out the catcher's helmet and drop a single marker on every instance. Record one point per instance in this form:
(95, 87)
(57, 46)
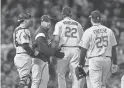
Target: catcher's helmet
(66, 11)
(24, 16)
(96, 16)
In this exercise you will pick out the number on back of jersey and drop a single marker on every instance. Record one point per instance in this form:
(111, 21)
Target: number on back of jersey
(101, 41)
(71, 32)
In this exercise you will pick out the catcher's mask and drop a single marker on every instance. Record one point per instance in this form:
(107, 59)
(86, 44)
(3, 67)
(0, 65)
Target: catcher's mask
(23, 17)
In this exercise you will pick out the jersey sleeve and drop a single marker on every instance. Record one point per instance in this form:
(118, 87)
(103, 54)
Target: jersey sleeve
(113, 39)
(25, 36)
(80, 31)
(39, 35)
(85, 40)
(57, 29)
(40, 42)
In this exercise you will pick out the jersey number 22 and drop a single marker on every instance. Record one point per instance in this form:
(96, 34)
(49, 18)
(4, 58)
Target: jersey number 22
(70, 32)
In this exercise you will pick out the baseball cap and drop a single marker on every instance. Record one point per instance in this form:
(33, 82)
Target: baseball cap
(46, 18)
(66, 11)
(95, 15)
(24, 16)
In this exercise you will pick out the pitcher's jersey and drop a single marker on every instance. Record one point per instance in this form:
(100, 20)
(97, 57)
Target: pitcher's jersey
(99, 40)
(21, 36)
(69, 32)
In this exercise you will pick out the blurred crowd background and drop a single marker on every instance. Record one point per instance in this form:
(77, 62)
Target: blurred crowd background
(112, 16)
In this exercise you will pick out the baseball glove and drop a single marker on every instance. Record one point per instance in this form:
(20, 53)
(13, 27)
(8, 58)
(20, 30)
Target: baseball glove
(79, 71)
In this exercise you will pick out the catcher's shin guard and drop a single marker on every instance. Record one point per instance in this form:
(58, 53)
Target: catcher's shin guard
(24, 81)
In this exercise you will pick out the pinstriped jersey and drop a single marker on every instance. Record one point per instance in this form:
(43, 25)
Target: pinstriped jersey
(98, 40)
(21, 36)
(69, 32)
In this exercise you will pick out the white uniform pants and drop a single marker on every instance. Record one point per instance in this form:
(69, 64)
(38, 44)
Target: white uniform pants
(70, 61)
(23, 64)
(122, 82)
(99, 69)
(40, 73)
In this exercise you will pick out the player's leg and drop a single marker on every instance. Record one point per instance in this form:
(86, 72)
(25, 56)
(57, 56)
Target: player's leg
(36, 72)
(122, 82)
(86, 68)
(62, 67)
(83, 83)
(23, 64)
(95, 72)
(105, 70)
(75, 82)
(73, 64)
(44, 76)
(88, 82)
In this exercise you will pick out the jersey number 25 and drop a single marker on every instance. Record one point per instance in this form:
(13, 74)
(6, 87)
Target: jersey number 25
(101, 41)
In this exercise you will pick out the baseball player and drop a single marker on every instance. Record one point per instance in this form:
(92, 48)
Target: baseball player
(122, 82)
(67, 35)
(98, 43)
(22, 42)
(41, 43)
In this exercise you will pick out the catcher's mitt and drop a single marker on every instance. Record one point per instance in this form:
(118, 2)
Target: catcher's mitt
(80, 73)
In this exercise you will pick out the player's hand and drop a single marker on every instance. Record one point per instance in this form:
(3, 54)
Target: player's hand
(70, 75)
(36, 53)
(114, 68)
(59, 54)
(79, 71)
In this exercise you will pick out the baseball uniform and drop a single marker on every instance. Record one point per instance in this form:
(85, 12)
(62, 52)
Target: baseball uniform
(41, 43)
(122, 82)
(98, 40)
(40, 68)
(70, 33)
(22, 60)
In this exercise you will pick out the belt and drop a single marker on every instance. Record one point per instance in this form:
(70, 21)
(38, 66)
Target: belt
(70, 46)
(100, 56)
(22, 53)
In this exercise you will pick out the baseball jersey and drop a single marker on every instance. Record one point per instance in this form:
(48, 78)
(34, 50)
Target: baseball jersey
(98, 40)
(41, 43)
(21, 36)
(69, 32)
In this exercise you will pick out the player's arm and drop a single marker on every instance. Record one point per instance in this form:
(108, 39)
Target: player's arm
(82, 56)
(83, 45)
(25, 40)
(80, 31)
(114, 55)
(114, 44)
(55, 42)
(56, 35)
(41, 46)
(114, 66)
(27, 48)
